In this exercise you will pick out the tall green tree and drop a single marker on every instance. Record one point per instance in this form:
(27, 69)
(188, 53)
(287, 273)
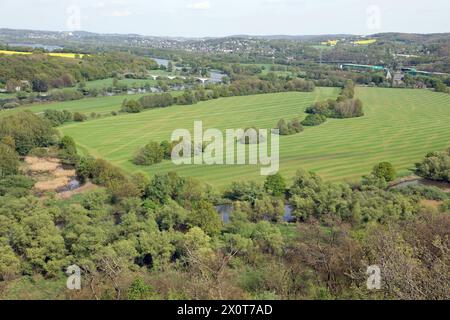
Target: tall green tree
(275, 185)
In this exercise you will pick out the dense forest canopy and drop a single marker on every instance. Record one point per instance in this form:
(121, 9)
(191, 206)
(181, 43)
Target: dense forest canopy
(44, 72)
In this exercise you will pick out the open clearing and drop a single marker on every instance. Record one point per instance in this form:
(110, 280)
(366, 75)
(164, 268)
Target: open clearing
(400, 126)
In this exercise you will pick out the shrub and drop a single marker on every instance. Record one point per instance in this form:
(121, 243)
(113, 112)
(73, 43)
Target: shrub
(131, 106)
(68, 151)
(28, 131)
(156, 101)
(275, 185)
(435, 166)
(350, 108)
(314, 120)
(295, 126)
(16, 185)
(283, 127)
(426, 192)
(150, 154)
(58, 118)
(11, 105)
(9, 161)
(385, 170)
(290, 128)
(79, 117)
(66, 95)
(445, 207)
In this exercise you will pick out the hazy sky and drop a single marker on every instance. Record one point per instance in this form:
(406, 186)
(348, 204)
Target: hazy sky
(228, 17)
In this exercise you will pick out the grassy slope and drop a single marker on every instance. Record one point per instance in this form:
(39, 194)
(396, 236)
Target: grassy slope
(102, 105)
(400, 126)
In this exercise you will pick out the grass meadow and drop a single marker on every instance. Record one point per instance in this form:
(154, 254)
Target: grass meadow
(400, 126)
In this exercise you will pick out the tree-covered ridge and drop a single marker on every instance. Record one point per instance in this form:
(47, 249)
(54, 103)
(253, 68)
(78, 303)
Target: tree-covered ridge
(43, 72)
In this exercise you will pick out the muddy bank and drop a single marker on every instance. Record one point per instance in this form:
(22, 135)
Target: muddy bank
(50, 175)
(417, 181)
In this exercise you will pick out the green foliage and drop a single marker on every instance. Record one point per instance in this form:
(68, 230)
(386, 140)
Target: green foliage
(171, 216)
(29, 229)
(268, 237)
(57, 117)
(79, 117)
(68, 151)
(267, 209)
(424, 192)
(28, 131)
(139, 290)
(348, 92)
(373, 182)
(275, 185)
(104, 174)
(344, 107)
(445, 207)
(165, 187)
(290, 128)
(312, 120)
(435, 166)
(45, 72)
(204, 216)
(65, 95)
(9, 262)
(187, 98)
(244, 191)
(283, 127)
(313, 198)
(131, 106)
(9, 161)
(156, 101)
(10, 105)
(94, 200)
(385, 170)
(150, 154)
(16, 186)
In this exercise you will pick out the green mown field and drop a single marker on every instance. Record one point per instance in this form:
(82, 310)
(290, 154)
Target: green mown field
(400, 126)
(102, 105)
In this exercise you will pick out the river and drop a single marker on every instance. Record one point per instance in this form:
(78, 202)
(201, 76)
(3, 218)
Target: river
(215, 75)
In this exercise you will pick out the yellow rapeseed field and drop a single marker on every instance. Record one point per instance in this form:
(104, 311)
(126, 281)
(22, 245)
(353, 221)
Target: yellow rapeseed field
(331, 43)
(60, 55)
(365, 42)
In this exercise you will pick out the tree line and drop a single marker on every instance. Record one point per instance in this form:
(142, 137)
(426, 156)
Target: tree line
(249, 86)
(345, 106)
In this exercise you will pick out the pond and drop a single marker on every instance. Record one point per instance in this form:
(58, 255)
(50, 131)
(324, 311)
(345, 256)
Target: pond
(71, 186)
(162, 62)
(225, 211)
(215, 75)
